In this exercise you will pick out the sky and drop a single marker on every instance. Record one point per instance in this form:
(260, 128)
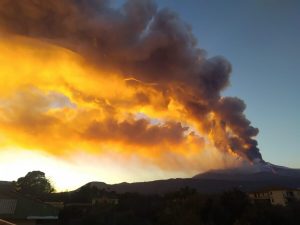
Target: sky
(126, 95)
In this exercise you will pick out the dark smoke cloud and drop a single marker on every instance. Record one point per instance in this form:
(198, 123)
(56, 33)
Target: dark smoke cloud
(232, 113)
(137, 132)
(153, 45)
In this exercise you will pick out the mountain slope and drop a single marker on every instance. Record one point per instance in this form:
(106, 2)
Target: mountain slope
(256, 172)
(249, 178)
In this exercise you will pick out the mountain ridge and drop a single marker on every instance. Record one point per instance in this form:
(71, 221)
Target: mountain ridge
(261, 170)
(248, 178)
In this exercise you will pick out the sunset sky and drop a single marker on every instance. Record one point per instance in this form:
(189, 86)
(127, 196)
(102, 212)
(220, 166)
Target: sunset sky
(123, 92)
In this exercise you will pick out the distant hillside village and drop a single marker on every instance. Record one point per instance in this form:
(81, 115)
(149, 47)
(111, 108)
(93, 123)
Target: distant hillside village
(90, 205)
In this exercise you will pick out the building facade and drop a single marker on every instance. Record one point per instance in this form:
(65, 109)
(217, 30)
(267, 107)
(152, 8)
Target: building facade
(275, 196)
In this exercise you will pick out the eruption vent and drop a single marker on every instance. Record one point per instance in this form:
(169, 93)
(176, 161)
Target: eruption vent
(135, 83)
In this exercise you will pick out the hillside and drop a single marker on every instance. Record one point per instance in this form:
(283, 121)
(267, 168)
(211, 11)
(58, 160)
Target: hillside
(249, 178)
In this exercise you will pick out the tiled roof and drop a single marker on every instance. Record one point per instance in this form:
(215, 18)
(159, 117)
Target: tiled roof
(8, 206)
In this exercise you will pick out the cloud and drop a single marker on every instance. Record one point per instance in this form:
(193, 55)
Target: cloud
(94, 68)
(137, 132)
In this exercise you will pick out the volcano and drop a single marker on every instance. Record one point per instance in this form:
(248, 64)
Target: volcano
(256, 176)
(250, 177)
(258, 171)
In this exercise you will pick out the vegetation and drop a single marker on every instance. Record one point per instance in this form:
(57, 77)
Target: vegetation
(183, 207)
(34, 183)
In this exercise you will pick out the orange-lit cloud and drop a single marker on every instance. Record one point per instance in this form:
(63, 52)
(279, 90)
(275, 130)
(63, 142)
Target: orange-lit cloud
(64, 113)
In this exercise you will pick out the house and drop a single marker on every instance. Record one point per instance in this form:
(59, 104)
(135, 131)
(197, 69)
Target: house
(105, 200)
(275, 196)
(21, 210)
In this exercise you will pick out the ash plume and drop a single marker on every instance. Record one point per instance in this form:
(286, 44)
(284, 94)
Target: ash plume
(151, 45)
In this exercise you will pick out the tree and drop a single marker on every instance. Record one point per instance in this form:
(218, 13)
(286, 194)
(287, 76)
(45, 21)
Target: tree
(232, 204)
(34, 183)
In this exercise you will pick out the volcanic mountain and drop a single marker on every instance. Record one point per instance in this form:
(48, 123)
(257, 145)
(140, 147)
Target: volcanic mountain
(252, 177)
(259, 171)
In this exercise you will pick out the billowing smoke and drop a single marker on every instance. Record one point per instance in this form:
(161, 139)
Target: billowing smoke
(149, 45)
